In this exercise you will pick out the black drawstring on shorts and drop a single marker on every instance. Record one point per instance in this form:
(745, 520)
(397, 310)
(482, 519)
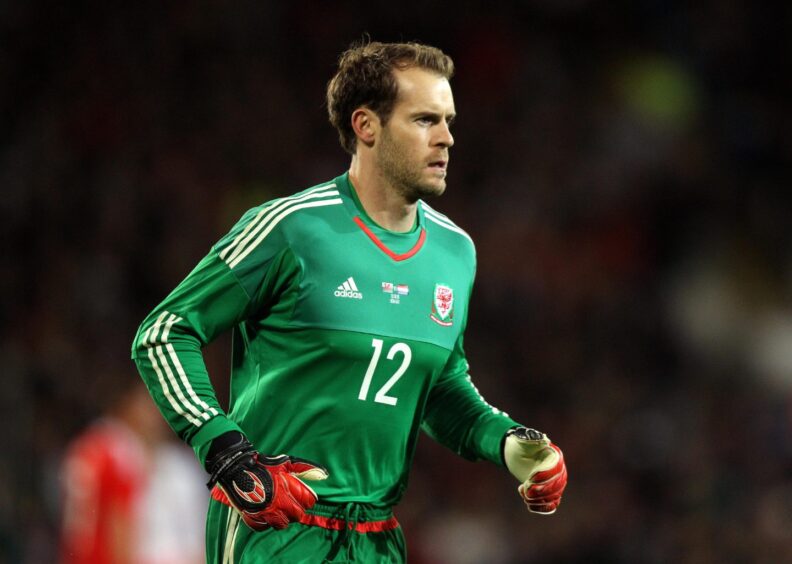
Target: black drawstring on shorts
(351, 517)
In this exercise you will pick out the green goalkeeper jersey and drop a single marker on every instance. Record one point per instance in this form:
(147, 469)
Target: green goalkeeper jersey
(347, 340)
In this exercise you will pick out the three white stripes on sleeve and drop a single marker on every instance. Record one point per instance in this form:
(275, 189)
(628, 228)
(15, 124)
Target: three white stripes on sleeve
(186, 402)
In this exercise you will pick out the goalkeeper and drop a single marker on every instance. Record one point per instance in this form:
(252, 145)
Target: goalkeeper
(348, 304)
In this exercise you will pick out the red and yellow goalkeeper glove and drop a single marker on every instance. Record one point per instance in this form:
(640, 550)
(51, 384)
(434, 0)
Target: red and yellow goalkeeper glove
(539, 466)
(268, 491)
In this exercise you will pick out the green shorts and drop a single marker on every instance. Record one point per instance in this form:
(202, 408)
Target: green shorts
(332, 533)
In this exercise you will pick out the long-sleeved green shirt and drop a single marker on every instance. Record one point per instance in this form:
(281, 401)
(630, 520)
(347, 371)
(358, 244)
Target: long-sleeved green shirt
(347, 340)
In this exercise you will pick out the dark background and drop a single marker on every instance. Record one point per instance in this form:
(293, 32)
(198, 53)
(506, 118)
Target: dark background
(622, 166)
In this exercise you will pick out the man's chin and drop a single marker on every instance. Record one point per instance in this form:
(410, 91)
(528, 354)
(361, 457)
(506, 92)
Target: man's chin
(429, 190)
(414, 191)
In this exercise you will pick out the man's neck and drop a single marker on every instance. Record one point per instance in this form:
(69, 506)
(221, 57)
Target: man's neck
(382, 202)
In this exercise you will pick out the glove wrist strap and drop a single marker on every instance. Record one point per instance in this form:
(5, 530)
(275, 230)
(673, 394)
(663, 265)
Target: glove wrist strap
(525, 433)
(226, 458)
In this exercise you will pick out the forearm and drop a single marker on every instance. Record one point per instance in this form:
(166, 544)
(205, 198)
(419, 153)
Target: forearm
(168, 344)
(458, 417)
(180, 386)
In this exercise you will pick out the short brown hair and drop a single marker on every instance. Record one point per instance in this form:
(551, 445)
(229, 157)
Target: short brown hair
(365, 78)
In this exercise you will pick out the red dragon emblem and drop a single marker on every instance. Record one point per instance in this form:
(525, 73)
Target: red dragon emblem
(443, 305)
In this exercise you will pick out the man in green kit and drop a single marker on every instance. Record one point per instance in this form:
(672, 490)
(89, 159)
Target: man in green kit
(348, 303)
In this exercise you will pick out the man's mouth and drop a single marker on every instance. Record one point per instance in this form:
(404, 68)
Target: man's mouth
(439, 165)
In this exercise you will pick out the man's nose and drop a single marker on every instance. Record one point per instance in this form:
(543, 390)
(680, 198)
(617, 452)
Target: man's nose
(444, 137)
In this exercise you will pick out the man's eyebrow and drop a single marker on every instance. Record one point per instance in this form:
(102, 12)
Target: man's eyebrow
(435, 115)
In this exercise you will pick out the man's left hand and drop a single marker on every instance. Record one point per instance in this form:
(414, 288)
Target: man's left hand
(539, 466)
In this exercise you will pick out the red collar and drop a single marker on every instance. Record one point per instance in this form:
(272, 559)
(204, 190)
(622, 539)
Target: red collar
(386, 250)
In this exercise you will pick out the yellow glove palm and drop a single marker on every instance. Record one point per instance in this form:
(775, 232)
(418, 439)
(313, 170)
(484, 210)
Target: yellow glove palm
(539, 466)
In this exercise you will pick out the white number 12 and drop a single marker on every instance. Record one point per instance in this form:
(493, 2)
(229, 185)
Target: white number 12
(381, 396)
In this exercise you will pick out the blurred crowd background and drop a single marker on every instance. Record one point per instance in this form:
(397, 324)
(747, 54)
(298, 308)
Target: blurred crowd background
(622, 166)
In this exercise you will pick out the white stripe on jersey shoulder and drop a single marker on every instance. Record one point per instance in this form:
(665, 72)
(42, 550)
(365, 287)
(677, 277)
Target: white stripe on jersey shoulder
(443, 220)
(255, 224)
(237, 257)
(261, 225)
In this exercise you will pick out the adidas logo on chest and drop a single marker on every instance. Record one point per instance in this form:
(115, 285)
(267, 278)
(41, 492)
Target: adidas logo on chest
(348, 290)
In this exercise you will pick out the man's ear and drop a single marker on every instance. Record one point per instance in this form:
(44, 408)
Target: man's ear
(366, 125)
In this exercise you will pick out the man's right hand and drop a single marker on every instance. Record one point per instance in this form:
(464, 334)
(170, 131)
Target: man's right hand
(268, 491)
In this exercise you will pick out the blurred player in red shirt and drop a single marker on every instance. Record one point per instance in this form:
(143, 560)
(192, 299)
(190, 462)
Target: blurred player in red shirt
(107, 473)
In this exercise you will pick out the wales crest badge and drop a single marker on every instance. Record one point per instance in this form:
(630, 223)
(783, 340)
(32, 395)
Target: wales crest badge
(443, 305)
